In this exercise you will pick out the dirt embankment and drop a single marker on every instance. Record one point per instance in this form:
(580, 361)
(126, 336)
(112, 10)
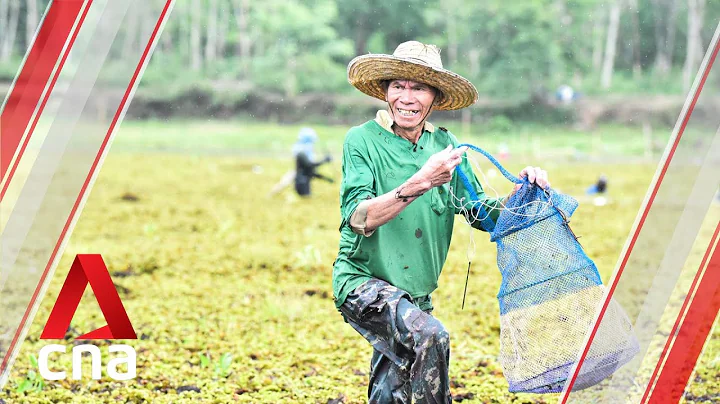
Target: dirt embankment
(585, 113)
(228, 102)
(662, 110)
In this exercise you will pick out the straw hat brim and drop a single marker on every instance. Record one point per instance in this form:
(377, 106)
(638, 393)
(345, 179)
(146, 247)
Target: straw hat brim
(367, 72)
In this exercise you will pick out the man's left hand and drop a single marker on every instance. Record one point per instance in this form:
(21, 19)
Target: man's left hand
(535, 175)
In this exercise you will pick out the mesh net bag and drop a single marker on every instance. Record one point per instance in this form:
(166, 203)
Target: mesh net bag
(549, 294)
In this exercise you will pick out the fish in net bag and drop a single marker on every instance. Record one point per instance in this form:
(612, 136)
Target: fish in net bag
(550, 293)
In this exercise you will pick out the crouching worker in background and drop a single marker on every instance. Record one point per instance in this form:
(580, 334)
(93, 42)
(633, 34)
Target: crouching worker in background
(305, 166)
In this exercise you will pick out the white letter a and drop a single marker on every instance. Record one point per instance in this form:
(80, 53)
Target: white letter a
(130, 360)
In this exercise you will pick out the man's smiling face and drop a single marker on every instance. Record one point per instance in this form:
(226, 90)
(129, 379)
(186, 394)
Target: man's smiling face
(410, 102)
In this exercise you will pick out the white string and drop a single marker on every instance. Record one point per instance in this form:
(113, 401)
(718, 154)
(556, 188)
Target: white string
(471, 245)
(485, 181)
(461, 206)
(473, 216)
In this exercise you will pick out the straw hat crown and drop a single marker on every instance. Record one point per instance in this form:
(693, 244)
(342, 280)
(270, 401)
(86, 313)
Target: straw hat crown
(414, 61)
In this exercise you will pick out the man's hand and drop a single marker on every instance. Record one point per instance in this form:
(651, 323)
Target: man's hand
(535, 175)
(439, 168)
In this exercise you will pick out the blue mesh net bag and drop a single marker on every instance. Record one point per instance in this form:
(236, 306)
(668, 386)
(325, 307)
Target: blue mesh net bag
(549, 294)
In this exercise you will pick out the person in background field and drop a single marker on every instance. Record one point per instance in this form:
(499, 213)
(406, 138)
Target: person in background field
(566, 94)
(599, 187)
(397, 215)
(599, 190)
(305, 164)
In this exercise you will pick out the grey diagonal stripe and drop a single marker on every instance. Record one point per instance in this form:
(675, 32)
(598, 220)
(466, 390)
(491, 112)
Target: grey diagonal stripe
(665, 241)
(67, 155)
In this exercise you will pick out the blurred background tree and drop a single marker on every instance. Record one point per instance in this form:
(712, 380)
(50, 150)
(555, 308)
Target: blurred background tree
(240, 50)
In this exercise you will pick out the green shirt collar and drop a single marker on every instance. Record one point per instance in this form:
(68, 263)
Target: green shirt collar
(383, 119)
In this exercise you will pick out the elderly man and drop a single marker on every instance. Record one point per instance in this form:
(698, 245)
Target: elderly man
(397, 219)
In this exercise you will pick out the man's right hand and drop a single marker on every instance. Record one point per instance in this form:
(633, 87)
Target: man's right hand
(439, 168)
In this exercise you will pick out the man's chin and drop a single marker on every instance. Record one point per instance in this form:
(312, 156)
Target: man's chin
(407, 125)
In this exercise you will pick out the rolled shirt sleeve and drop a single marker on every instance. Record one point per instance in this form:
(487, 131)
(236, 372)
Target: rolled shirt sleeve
(358, 220)
(358, 183)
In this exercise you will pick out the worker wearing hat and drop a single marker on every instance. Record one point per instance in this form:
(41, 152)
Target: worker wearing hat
(397, 213)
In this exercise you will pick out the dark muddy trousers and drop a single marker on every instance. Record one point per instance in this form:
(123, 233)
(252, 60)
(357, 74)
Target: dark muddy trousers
(411, 354)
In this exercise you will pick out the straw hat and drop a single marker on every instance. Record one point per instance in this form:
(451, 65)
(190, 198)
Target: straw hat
(414, 61)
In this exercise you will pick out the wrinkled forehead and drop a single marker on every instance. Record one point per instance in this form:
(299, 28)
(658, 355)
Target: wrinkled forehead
(409, 83)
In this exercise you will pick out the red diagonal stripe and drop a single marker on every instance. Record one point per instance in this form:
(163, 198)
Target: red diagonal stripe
(85, 186)
(34, 75)
(681, 314)
(691, 337)
(635, 236)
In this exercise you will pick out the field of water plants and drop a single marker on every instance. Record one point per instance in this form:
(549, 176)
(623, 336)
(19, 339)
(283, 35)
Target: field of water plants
(229, 288)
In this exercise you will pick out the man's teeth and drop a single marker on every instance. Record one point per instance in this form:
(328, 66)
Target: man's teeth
(405, 112)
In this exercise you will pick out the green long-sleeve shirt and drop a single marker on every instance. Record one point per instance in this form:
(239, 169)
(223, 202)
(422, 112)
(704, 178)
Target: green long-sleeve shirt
(410, 250)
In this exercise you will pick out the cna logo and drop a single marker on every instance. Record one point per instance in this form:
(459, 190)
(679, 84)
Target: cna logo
(89, 269)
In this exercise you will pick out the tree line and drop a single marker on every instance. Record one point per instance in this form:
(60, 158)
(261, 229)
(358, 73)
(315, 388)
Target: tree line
(506, 48)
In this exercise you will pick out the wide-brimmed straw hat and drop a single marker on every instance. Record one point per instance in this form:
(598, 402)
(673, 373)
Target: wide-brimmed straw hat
(414, 61)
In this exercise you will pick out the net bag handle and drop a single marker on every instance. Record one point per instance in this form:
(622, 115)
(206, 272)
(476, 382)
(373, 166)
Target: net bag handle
(487, 223)
(492, 159)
